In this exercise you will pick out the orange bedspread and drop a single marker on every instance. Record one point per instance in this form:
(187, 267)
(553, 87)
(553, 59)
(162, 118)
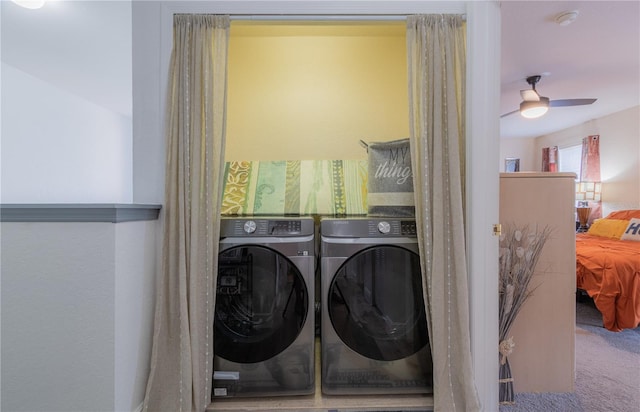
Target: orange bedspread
(609, 271)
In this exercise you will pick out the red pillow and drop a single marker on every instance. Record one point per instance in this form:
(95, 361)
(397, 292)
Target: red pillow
(625, 214)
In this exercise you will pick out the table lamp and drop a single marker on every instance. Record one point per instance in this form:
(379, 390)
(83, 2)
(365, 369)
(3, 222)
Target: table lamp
(586, 191)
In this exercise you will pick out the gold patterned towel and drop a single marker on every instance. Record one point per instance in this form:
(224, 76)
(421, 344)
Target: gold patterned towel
(295, 187)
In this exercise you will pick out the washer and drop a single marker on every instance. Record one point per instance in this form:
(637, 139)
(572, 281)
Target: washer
(374, 327)
(264, 315)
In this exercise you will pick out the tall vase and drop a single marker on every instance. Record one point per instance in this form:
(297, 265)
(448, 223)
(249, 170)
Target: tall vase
(507, 396)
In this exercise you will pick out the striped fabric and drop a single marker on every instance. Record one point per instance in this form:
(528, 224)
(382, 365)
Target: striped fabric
(296, 187)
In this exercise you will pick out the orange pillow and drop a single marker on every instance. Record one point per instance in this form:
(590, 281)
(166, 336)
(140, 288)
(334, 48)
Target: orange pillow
(624, 214)
(612, 228)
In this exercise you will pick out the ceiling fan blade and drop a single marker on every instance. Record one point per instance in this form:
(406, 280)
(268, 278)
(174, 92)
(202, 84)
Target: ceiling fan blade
(570, 102)
(530, 95)
(507, 114)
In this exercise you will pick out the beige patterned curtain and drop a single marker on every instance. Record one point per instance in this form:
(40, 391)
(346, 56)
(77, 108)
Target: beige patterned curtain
(437, 60)
(590, 186)
(182, 354)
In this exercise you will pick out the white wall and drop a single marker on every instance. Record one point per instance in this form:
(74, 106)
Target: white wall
(66, 128)
(135, 272)
(523, 149)
(149, 72)
(59, 148)
(619, 155)
(57, 316)
(77, 316)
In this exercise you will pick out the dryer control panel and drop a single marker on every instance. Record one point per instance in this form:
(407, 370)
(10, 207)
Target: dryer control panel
(392, 228)
(368, 227)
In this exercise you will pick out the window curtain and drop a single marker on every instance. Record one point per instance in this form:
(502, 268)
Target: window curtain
(589, 188)
(550, 159)
(436, 60)
(182, 353)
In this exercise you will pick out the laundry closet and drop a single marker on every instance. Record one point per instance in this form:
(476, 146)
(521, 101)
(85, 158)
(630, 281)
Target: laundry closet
(306, 98)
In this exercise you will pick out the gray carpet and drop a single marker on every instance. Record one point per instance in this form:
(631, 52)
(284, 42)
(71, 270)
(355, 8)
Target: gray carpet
(607, 371)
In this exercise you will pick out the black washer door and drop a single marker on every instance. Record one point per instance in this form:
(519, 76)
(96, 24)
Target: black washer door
(375, 303)
(261, 304)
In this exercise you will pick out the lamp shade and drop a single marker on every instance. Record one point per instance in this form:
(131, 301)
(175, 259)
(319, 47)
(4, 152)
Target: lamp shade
(589, 191)
(532, 109)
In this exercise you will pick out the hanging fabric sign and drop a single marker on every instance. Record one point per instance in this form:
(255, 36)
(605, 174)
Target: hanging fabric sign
(390, 182)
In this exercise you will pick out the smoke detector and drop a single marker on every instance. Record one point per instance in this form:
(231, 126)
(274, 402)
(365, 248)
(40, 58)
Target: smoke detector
(567, 17)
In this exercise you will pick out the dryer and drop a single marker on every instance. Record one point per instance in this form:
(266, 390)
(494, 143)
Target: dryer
(374, 327)
(264, 314)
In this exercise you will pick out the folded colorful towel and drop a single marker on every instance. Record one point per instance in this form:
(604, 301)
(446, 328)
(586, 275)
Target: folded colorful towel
(295, 187)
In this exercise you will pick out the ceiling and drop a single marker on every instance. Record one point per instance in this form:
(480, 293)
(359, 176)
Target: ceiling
(82, 47)
(85, 47)
(596, 56)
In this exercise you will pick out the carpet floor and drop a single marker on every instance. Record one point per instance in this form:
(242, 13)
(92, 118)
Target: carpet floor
(607, 371)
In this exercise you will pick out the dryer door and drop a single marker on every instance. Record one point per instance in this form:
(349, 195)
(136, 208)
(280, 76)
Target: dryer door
(261, 304)
(375, 303)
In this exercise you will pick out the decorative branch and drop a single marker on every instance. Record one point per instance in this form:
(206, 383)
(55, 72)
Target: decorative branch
(520, 250)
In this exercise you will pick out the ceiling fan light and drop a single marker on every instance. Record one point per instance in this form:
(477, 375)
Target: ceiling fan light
(30, 4)
(533, 109)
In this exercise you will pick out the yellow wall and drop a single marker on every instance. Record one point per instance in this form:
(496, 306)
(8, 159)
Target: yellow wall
(312, 90)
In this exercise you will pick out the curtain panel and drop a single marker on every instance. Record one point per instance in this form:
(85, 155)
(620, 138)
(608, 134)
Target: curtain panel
(182, 353)
(436, 62)
(590, 173)
(590, 165)
(550, 159)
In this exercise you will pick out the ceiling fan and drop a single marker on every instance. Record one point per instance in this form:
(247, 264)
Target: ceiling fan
(533, 105)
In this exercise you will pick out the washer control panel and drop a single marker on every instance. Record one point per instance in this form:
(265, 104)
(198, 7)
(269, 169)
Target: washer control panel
(285, 227)
(266, 227)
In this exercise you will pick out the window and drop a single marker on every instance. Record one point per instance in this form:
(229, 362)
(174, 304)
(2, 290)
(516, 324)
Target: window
(570, 159)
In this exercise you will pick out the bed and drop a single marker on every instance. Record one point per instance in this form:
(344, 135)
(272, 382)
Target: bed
(608, 268)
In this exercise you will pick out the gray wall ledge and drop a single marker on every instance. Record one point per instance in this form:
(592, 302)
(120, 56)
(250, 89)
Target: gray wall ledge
(78, 212)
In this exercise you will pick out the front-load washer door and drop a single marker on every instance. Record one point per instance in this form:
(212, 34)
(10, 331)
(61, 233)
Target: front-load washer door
(261, 304)
(375, 303)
